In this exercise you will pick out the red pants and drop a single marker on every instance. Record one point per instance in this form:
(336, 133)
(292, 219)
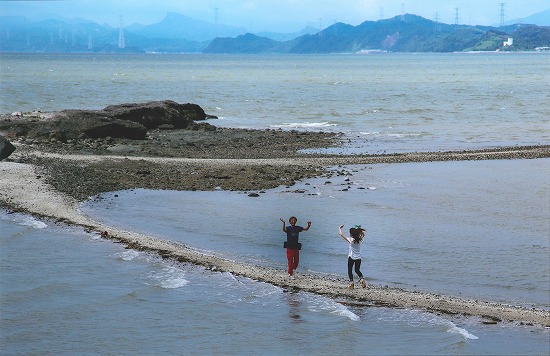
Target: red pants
(293, 257)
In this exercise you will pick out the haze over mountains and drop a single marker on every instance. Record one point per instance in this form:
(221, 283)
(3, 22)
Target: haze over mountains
(179, 33)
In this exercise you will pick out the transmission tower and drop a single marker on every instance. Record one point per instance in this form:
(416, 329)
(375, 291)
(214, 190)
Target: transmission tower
(456, 15)
(121, 43)
(436, 21)
(502, 13)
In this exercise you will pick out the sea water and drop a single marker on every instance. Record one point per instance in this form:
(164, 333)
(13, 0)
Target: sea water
(471, 229)
(383, 102)
(65, 291)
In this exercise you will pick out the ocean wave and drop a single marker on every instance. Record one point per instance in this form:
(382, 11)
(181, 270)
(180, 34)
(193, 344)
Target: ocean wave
(368, 133)
(452, 328)
(29, 221)
(344, 311)
(317, 304)
(392, 135)
(169, 278)
(127, 255)
(296, 125)
(403, 135)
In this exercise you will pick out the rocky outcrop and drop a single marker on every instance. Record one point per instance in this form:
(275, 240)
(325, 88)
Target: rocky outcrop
(76, 124)
(156, 113)
(6, 148)
(130, 121)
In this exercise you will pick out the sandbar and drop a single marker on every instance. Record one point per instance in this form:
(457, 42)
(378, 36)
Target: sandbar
(34, 181)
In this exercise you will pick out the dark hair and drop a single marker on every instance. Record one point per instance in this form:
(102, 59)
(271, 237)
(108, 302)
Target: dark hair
(355, 235)
(292, 217)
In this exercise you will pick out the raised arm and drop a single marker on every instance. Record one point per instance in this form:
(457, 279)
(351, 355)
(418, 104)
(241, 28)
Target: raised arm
(284, 224)
(308, 226)
(342, 234)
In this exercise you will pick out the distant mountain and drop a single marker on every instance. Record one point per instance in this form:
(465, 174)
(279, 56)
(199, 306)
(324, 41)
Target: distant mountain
(287, 36)
(18, 34)
(540, 19)
(404, 33)
(177, 33)
(183, 27)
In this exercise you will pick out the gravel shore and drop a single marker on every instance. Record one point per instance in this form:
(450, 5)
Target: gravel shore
(50, 179)
(224, 158)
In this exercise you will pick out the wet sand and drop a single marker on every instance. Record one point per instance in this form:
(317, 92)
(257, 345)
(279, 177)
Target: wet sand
(51, 183)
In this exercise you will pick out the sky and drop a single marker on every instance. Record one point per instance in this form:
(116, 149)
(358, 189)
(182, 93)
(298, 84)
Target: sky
(275, 15)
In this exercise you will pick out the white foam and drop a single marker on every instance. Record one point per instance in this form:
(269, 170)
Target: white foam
(344, 311)
(30, 221)
(169, 278)
(320, 303)
(421, 317)
(368, 133)
(465, 333)
(127, 255)
(403, 135)
(303, 125)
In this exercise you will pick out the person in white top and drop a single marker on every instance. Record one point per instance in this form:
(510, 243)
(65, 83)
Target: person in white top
(354, 256)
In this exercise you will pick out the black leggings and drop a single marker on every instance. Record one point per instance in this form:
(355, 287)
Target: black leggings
(357, 263)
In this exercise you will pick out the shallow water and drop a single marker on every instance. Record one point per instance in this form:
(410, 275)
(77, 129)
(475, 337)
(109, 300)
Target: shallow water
(471, 229)
(64, 291)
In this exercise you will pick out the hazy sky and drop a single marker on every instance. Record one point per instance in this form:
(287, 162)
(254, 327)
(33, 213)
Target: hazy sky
(276, 15)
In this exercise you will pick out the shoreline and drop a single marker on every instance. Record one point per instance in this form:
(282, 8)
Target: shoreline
(51, 184)
(81, 176)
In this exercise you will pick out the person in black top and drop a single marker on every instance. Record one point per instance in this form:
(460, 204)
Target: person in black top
(291, 244)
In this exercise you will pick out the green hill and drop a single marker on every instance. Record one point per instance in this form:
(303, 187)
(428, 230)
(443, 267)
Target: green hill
(405, 33)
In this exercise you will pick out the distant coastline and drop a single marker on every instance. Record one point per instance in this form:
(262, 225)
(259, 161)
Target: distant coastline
(404, 33)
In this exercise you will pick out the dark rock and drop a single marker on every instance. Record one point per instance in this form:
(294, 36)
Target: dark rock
(166, 127)
(117, 128)
(130, 121)
(155, 113)
(6, 148)
(79, 124)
